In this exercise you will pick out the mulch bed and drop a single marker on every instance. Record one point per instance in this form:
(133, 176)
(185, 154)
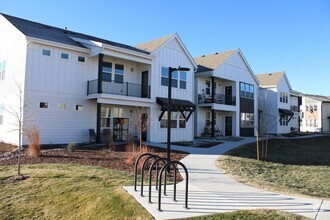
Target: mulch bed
(4, 148)
(115, 160)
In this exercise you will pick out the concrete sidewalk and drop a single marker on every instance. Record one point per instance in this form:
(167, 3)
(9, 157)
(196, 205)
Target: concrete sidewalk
(211, 191)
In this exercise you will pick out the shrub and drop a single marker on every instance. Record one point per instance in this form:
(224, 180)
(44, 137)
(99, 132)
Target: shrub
(34, 144)
(71, 147)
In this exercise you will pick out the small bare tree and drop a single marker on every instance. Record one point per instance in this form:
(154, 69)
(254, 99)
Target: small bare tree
(140, 121)
(20, 122)
(267, 119)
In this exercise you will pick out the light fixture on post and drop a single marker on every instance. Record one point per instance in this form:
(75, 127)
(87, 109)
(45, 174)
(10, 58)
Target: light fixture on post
(169, 103)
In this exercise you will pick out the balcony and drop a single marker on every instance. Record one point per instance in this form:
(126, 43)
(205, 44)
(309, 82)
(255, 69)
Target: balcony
(218, 99)
(294, 108)
(117, 88)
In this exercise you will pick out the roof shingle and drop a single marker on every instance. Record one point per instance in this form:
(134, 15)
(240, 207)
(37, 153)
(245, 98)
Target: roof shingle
(152, 45)
(269, 79)
(212, 61)
(46, 32)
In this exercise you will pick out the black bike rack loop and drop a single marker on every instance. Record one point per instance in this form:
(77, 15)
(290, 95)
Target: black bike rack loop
(135, 167)
(164, 160)
(142, 169)
(174, 194)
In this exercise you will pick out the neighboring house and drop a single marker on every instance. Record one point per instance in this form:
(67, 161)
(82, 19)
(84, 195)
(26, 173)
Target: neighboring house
(315, 113)
(73, 82)
(226, 92)
(278, 104)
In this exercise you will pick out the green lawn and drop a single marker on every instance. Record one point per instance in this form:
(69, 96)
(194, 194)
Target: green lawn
(296, 166)
(62, 191)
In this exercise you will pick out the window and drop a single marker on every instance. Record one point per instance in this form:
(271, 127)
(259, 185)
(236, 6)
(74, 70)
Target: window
(247, 120)
(81, 59)
(46, 52)
(284, 121)
(183, 80)
(118, 112)
(1, 113)
(208, 87)
(177, 82)
(119, 73)
(106, 71)
(208, 119)
(65, 56)
(315, 108)
(174, 79)
(174, 120)
(307, 108)
(246, 90)
(105, 116)
(182, 121)
(43, 104)
(61, 106)
(2, 69)
(284, 97)
(79, 107)
(164, 78)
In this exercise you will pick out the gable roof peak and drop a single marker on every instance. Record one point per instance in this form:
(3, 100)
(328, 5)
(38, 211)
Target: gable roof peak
(152, 45)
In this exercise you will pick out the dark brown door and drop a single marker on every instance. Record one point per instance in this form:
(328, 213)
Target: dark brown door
(228, 95)
(229, 126)
(145, 85)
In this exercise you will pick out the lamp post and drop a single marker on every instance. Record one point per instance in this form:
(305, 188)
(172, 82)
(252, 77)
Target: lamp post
(169, 110)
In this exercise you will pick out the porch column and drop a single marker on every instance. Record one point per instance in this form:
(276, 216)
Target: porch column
(213, 88)
(98, 123)
(212, 122)
(99, 82)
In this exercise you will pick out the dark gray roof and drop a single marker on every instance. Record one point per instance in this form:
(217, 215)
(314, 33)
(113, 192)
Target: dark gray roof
(46, 32)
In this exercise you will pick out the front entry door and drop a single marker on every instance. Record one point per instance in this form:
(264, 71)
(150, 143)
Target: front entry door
(228, 95)
(145, 85)
(229, 126)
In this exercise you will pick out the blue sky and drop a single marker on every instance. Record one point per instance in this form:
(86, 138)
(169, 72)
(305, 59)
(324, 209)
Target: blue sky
(274, 35)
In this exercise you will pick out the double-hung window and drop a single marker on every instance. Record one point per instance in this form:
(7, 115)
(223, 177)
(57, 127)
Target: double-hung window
(164, 80)
(106, 71)
(183, 80)
(179, 79)
(119, 73)
(163, 121)
(246, 90)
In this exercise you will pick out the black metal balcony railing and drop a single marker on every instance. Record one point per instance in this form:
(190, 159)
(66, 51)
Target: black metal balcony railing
(124, 88)
(294, 108)
(218, 99)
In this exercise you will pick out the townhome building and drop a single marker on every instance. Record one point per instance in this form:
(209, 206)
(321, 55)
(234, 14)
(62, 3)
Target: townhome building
(72, 82)
(278, 104)
(226, 92)
(315, 113)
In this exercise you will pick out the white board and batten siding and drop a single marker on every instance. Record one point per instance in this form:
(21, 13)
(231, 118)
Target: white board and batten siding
(170, 55)
(235, 69)
(57, 81)
(13, 50)
(282, 86)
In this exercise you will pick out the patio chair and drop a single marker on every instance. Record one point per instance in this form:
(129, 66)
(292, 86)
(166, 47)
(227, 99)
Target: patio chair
(92, 136)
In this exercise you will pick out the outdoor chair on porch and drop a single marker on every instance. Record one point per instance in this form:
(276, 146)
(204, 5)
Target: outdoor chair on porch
(92, 136)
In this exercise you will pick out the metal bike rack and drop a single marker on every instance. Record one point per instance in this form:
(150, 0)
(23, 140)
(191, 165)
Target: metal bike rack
(164, 160)
(174, 193)
(136, 164)
(142, 169)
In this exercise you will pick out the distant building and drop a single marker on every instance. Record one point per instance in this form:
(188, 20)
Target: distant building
(315, 113)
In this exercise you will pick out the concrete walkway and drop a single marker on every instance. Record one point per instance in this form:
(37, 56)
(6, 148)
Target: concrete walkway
(212, 191)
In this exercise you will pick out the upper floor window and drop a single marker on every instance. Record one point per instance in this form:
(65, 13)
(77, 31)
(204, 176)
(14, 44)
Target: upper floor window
(284, 97)
(43, 104)
(65, 56)
(106, 71)
(46, 52)
(61, 106)
(179, 79)
(119, 73)
(2, 69)
(81, 59)
(246, 90)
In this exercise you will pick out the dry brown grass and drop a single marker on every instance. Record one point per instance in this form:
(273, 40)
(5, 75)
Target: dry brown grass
(34, 144)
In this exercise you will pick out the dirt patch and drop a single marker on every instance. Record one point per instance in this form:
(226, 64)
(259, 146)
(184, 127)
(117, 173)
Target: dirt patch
(15, 179)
